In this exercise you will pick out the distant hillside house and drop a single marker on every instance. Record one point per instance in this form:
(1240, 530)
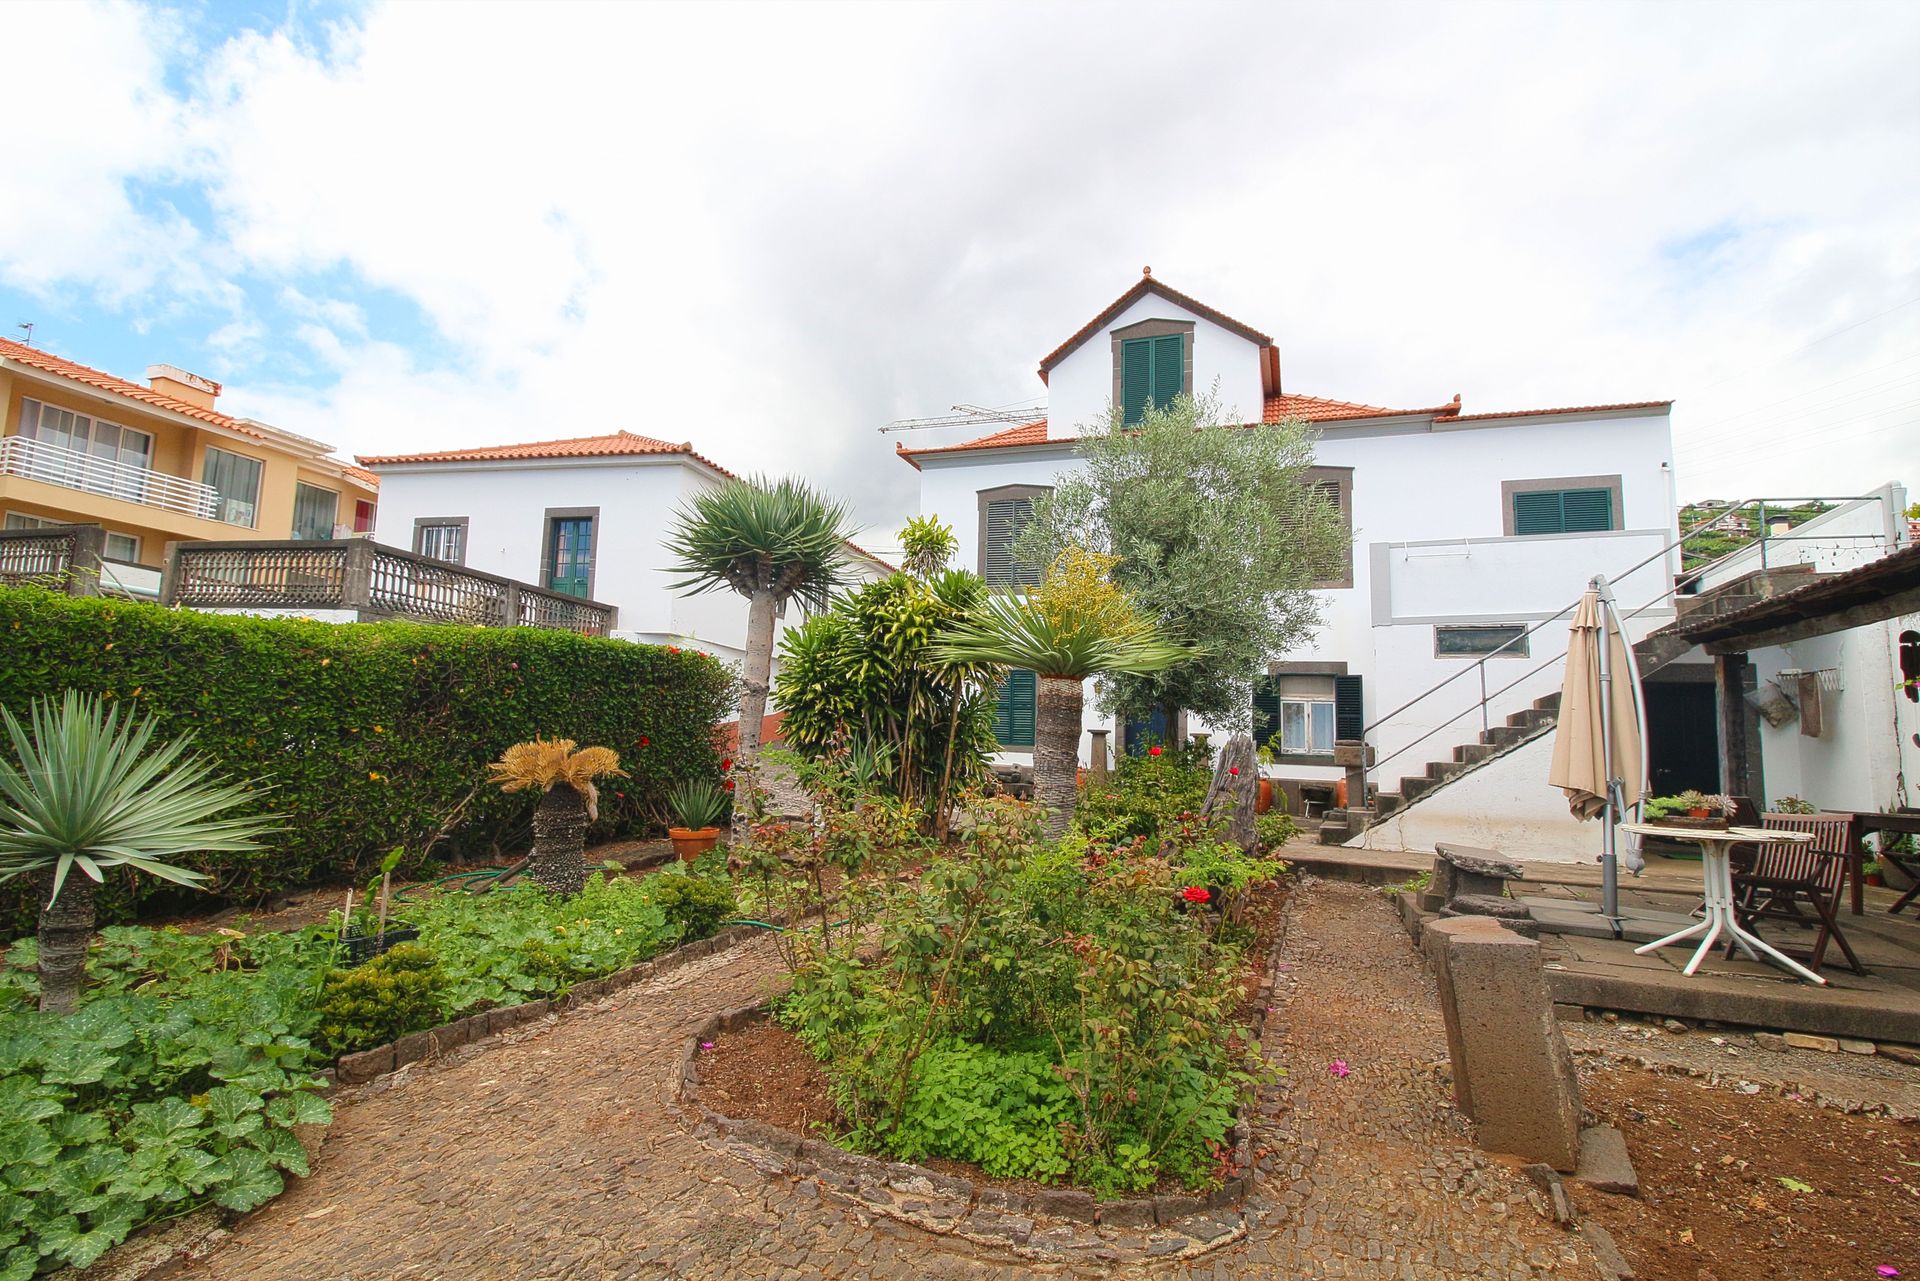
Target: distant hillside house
(1468, 528)
(586, 516)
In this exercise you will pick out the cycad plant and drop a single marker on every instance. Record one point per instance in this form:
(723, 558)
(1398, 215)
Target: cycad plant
(92, 791)
(569, 801)
(772, 542)
(1074, 625)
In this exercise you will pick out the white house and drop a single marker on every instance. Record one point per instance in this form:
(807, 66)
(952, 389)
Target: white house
(1468, 530)
(587, 516)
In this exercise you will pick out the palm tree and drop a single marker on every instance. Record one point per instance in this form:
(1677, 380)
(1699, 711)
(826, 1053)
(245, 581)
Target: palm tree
(88, 795)
(772, 542)
(1074, 625)
(569, 801)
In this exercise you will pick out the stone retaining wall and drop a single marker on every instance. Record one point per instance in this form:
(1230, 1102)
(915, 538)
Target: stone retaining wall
(1053, 1224)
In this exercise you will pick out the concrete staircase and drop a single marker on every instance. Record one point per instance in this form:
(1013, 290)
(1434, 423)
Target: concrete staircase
(1342, 825)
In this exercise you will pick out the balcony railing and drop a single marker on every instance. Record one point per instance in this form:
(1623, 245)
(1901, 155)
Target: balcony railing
(71, 469)
(372, 580)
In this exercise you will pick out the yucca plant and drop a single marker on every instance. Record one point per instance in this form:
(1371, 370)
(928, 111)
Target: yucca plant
(697, 803)
(772, 542)
(93, 791)
(569, 801)
(1074, 625)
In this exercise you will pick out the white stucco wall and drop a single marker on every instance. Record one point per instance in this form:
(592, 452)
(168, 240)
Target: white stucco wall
(1505, 805)
(1080, 388)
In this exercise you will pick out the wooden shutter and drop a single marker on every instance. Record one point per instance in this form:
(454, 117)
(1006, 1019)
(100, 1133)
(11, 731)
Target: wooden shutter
(1349, 715)
(1266, 709)
(1537, 512)
(1169, 368)
(1136, 378)
(1586, 510)
(1013, 717)
(1006, 517)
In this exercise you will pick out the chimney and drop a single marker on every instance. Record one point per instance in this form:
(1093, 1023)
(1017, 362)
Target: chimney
(169, 380)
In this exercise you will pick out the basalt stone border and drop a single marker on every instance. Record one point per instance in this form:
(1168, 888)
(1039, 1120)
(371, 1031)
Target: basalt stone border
(370, 1065)
(1052, 1225)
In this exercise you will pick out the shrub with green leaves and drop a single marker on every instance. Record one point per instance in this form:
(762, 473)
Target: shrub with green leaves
(364, 735)
(694, 905)
(1147, 796)
(397, 992)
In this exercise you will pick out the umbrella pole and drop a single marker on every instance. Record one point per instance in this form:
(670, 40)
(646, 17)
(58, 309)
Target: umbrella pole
(1609, 859)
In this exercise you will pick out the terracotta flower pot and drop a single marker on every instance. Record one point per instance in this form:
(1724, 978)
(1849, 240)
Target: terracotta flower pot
(1702, 812)
(691, 842)
(1265, 800)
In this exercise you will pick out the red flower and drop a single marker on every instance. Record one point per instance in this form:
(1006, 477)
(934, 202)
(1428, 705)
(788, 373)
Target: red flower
(727, 764)
(1234, 770)
(673, 649)
(1194, 894)
(1153, 751)
(644, 740)
(729, 785)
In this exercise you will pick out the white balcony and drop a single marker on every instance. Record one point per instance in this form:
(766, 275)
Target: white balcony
(71, 469)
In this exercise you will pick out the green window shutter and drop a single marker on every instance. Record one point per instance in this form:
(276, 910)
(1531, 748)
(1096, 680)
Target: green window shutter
(1013, 717)
(1586, 510)
(1266, 709)
(1169, 368)
(1537, 512)
(1136, 378)
(1006, 517)
(1349, 713)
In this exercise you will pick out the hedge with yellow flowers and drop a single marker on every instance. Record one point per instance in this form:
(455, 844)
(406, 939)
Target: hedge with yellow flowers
(364, 736)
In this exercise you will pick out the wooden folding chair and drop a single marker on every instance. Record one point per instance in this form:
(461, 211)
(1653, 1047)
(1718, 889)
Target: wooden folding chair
(1784, 877)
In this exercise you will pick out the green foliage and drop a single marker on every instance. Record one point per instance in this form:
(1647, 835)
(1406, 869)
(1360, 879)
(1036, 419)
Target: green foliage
(94, 792)
(397, 992)
(1662, 806)
(1219, 536)
(1276, 827)
(368, 735)
(1037, 1009)
(757, 535)
(1022, 631)
(1146, 796)
(1701, 545)
(929, 544)
(862, 676)
(1794, 805)
(694, 906)
(698, 802)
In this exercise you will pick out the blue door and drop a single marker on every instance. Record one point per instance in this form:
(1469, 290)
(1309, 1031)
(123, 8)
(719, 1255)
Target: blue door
(1152, 731)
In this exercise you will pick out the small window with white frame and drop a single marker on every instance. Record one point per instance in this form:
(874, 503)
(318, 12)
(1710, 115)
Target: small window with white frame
(442, 538)
(1294, 714)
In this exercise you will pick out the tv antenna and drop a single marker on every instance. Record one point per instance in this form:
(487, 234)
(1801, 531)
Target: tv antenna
(26, 327)
(964, 415)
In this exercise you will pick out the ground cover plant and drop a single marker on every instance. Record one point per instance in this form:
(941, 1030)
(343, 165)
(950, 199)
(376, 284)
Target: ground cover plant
(182, 1075)
(363, 736)
(1043, 1009)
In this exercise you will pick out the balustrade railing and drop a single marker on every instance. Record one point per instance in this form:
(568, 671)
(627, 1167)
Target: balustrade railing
(52, 464)
(371, 579)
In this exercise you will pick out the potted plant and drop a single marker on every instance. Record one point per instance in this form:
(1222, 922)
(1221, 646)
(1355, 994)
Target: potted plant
(1870, 872)
(1698, 809)
(1264, 801)
(361, 943)
(697, 806)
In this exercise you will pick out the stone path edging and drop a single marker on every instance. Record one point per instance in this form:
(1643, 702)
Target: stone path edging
(1053, 1225)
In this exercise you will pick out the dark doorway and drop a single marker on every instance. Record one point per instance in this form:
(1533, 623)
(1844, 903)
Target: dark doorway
(1683, 737)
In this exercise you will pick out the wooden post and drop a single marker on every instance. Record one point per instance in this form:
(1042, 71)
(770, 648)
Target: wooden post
(1100, 765)
(1740, 765)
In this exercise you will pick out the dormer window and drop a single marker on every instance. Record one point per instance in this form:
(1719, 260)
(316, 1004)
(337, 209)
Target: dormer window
(1152, 363)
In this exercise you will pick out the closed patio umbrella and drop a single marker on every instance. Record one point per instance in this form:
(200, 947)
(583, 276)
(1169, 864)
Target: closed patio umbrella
(1597, 758)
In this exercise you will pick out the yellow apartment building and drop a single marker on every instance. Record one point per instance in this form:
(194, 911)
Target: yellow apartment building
(158, 463)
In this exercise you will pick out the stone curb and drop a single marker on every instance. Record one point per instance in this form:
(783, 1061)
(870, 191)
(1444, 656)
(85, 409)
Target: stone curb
(372, 1064)
(1053, 1225)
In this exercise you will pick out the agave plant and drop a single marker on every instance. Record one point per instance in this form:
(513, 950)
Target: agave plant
(93, 791)
(697, 803)
(772, 542)
(569, 801)
(1075, 624)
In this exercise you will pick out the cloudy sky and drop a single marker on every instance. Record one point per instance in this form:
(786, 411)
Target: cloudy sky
(771, 229)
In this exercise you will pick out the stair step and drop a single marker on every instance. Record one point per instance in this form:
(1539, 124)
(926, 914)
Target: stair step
(1334, 834)
(1385, 803)
(1551, 703)
(1472, 753)
(1501, 735)
(1412, 788)
(1441, 771)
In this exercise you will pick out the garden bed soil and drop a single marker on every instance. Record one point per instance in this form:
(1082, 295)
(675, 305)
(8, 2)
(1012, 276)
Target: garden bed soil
(762, 1072)
(1712, 1204)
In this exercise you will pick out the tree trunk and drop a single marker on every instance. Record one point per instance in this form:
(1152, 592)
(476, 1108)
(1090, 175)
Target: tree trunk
(1056, 750)
(755, 673)
(66, 927)
(560, 841)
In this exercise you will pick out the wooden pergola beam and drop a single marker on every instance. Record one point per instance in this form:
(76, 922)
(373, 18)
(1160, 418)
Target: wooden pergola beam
(1800, 620)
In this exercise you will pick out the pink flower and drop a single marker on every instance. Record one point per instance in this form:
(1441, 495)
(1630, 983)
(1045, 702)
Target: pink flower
(706, 1045)
(1339, 1068)
(1887, 1270)
(1153, 751)
(1195, 894)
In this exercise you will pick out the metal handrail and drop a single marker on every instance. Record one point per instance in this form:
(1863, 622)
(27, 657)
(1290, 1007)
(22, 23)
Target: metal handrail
(34, 459)
(1683, 579)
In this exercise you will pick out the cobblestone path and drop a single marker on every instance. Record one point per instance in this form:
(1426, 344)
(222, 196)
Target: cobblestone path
(555, 1156)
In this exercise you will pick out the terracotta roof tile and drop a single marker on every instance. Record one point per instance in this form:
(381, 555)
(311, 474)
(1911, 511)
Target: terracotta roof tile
(1318, 409)
(1140, 288)
(1568, 409)
(614, 445)
(48, 363)
(360, 474)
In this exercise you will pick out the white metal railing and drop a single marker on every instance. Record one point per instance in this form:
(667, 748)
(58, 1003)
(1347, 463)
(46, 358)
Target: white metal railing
(71, 469)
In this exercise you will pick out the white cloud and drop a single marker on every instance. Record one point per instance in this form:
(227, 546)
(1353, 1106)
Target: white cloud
(772, 228)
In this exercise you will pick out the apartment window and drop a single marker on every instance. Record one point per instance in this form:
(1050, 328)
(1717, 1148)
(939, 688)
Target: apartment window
(1564, 505)
(314, 511)
(1503, 640)
(1004, 512)
(1152, 363)
(99, 449)
(363, 512)
(1015, 713)
(235, 481)
(441, 537)
(1302, 714)
(567, 557)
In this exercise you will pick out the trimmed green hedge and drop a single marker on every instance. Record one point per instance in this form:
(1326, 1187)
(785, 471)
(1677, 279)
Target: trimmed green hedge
(369, 735)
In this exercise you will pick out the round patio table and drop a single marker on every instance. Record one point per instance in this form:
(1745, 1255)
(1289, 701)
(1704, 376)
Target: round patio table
(1716, 868)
